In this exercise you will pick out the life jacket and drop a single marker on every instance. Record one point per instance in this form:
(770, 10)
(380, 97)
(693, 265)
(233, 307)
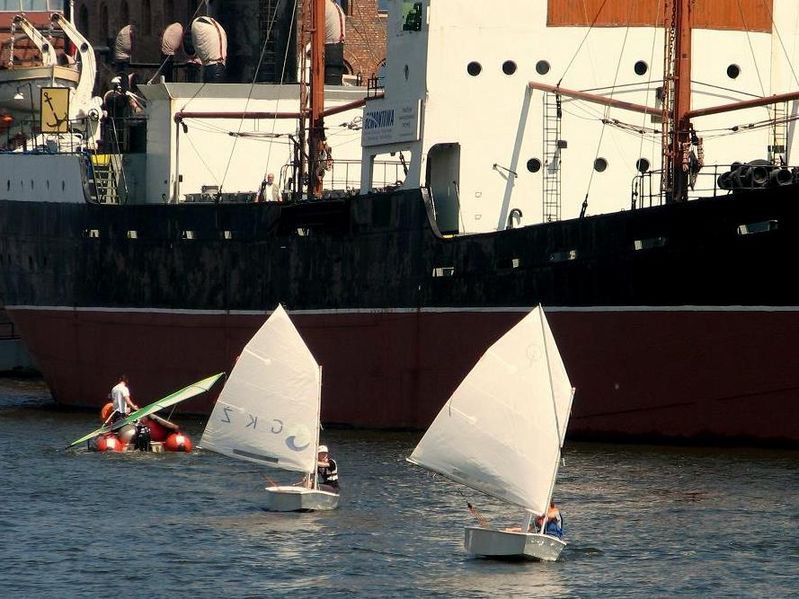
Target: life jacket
(328, 475)
(143, 438)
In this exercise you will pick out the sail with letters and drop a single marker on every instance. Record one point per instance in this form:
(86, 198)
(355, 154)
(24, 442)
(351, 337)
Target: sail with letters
(268, 413)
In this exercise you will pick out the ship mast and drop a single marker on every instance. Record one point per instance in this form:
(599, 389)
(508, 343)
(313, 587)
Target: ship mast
(316, 129)
(677, 128)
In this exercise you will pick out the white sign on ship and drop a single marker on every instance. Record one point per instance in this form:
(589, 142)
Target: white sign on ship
(390, 124)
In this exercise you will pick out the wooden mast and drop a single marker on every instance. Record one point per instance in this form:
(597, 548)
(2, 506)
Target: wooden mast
(679, 127)
(316, 129)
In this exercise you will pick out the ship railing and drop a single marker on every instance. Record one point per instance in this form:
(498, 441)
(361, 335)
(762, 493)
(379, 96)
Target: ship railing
(374, 86)
(714, 181)
(343, 177)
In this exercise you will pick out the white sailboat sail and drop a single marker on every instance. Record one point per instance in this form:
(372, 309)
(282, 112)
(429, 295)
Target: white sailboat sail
(499, 433)
(268, 411)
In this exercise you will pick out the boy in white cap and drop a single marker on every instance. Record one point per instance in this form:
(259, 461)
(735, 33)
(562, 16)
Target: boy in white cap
(326, 471)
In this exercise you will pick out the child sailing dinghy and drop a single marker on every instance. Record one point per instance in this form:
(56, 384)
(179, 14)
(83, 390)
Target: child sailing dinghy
(501, 433)
(268, 413)
(114, 436)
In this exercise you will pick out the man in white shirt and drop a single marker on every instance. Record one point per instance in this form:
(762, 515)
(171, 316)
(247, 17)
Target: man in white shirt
(120, 399)
(269, 191)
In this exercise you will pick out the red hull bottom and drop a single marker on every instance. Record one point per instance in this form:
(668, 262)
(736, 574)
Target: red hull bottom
(640, 373)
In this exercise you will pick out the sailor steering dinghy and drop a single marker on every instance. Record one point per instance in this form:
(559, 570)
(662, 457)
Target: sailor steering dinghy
(501, 433)
(268, 413)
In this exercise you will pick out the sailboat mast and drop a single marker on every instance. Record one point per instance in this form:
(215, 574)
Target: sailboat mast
(677, 128)
(555, 413)
(316, 130)
(318, 428)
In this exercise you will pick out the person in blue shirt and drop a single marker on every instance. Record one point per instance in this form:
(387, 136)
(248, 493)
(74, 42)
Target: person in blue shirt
(554, 525)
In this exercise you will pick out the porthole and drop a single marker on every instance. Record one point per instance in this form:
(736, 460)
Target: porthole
(641, 68)
(642, 164)
(509, 67)
(534, 165)
(600, 165)
(474, 68)
(733, 71)
(542, 67)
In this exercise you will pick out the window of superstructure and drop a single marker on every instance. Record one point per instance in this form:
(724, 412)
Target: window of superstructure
(733, 71)
(649, 243)
(509, 67)
(765, 226)
(411, 16)
(640, 68)
(474, 68)
(542, 67)
(564, 256)
(443, 271)
(508, 263)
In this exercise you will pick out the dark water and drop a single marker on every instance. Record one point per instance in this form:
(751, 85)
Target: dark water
(641, 522)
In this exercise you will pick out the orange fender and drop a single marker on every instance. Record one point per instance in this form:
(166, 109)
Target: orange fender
(105, 411)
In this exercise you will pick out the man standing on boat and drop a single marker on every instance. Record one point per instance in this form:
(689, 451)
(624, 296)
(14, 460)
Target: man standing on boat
(269, 191)
(326, 471)
(120, 399)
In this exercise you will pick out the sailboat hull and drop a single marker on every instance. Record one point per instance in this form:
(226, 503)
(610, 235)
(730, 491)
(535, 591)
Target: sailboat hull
(299, 499)
(503, 544)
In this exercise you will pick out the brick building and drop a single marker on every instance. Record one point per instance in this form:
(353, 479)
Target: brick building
(365, 46)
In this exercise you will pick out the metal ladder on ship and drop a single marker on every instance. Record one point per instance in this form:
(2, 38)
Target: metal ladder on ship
(106, 169)
(553, 146)
(779, 132)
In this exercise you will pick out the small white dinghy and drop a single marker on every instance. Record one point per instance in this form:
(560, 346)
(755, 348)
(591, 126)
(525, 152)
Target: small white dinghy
(268, 413)
(501, 433)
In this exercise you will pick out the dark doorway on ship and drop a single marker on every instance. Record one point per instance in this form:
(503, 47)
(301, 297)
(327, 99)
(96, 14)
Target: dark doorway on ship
(443, 181)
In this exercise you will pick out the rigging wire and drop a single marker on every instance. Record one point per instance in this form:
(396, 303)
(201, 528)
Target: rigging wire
(751, 48)
(607, 109)
(649, 81)
(267, 38)
(585, 37)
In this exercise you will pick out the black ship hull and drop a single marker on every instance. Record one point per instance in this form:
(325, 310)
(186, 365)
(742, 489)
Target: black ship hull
(675, 322)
